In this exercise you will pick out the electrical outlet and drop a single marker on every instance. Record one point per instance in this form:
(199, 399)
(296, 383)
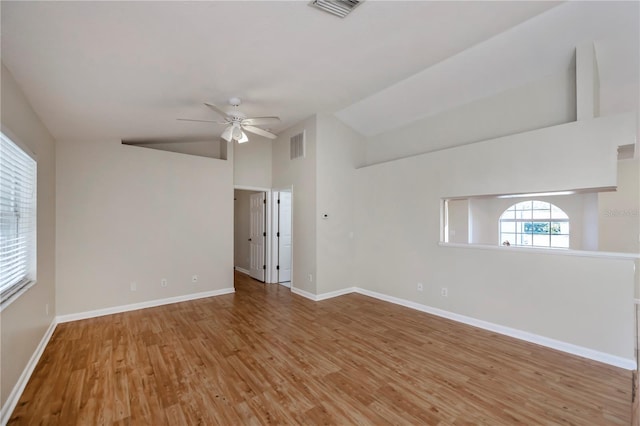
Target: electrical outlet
(310, 277)
(134, 286)
(194, 279)
(419, 287)
(444, 292)
(163, 282)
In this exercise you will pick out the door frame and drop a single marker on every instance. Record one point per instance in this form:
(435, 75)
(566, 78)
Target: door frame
(273, 272)
(268, 228)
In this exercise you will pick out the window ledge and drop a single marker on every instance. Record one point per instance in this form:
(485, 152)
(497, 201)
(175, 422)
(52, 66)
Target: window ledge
(552, 251)
(5, 303)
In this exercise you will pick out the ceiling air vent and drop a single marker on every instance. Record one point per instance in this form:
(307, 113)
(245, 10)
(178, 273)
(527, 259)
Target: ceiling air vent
(297, 146)
(339, 8)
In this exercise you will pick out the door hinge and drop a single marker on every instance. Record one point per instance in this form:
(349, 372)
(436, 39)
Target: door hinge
(278, 267)
(278, 234)
(264, 234)
(278, 201)
(264, 201)
(264, 266)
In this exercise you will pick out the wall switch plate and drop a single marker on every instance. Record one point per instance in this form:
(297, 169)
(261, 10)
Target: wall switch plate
(310, 277)
(163, 282)
(419, 287)
(444, 292)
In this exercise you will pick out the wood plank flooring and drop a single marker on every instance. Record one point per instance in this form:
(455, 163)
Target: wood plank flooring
(266, 356)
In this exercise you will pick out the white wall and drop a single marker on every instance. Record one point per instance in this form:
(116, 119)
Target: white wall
(252, 162)
(619, 215)
(241, 228)
(340, 150)
(24, 323)
(210, 148)
(583, 301)
(458, 221)
(543, 103)
(300, 175)
(130, 214)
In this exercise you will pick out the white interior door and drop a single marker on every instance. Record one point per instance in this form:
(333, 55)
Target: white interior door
(257, 207)
(284, 241)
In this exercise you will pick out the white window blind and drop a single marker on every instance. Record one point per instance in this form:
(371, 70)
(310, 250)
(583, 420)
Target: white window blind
(17, 220)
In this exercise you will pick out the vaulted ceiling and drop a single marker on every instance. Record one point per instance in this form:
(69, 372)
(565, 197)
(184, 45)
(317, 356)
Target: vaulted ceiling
(126, 70)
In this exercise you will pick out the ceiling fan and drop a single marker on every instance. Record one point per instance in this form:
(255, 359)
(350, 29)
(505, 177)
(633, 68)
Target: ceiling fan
(237, 122)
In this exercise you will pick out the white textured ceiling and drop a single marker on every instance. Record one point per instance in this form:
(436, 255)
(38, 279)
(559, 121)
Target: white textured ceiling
(126, 70)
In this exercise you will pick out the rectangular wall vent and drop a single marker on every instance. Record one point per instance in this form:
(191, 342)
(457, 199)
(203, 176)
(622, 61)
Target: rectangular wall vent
(297, 146)
(339, 8)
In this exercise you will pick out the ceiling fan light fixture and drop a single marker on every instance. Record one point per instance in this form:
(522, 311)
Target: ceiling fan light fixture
(244, 138)
(227, 134)
(236, 132)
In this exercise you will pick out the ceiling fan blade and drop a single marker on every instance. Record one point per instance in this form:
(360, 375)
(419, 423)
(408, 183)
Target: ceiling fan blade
(202, 121)
(227, 134)
(256, 121)
(217, 109)
(259, 131)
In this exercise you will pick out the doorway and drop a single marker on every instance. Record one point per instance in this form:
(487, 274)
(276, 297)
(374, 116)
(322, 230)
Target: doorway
(250, 233)
(263, 231)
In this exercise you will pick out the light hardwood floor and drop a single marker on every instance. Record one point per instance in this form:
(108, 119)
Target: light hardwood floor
(266, 356)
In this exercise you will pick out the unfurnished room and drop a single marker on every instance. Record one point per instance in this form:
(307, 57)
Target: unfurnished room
(316, 212)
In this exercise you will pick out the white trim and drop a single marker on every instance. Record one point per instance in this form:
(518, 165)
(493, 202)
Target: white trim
(239, 269)
(251, 188)
(18, 388)
(552, 251)
(5, 303)
(626, 363)
(304, 293)
(332, 294)
(142, 305)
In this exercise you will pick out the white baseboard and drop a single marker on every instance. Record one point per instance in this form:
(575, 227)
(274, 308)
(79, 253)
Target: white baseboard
(331, 294)
(303, 293)
(142, 305)
(244, 271)
(626, 363)
(18, 388)
(323, 296)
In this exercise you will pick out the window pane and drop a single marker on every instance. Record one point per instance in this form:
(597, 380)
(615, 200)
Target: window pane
(536, 227)
(541, 240)
(508, 214)
(557, 213)
(524, 240)
(540, 205)
(17, 218)
(542, 214)
(523, 214)
(533, 225)
(564, 227)
(508, 237)
(561, 241)
(507, 227)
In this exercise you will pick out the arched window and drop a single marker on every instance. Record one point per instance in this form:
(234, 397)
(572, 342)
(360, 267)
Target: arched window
(534, 224)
